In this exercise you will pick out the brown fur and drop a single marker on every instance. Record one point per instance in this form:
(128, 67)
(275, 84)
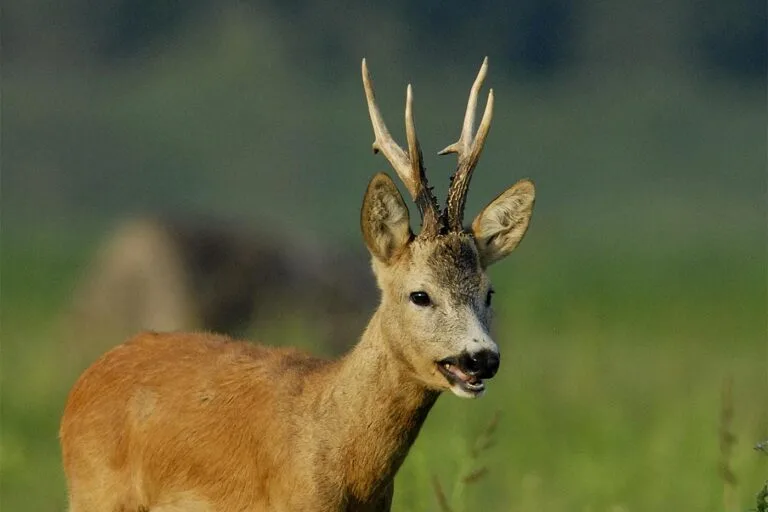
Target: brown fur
(164, 414)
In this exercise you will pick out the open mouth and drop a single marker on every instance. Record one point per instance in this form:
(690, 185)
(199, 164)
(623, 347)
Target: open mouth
(471, 385)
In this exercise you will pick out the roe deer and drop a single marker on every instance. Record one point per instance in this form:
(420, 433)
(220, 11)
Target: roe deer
(198, 422)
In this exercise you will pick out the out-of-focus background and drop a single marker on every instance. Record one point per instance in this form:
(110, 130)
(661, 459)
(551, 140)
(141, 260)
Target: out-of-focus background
(201, 164)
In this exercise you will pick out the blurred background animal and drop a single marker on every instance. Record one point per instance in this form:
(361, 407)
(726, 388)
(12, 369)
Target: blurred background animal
(167, 274)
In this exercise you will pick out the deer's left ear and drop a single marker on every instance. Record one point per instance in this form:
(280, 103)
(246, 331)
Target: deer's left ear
(503, 223)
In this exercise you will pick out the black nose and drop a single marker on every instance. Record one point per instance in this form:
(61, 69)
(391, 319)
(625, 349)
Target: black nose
(483, 364)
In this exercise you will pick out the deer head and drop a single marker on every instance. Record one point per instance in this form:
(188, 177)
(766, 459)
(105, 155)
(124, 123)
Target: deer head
(436, 295)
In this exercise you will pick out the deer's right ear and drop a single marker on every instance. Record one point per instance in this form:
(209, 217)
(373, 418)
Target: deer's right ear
(384, 219)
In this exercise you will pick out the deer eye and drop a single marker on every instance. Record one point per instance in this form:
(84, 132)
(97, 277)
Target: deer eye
(488, 298)
(421, 299)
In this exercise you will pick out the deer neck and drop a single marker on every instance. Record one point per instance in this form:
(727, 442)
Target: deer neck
(378, 408)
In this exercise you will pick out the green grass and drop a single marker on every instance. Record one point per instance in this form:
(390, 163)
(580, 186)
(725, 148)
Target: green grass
(609, 393)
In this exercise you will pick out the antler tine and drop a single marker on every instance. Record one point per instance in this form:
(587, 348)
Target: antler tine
(408, 166)
(414, 150)
(465, 139)
(468, 149)
(383, 140)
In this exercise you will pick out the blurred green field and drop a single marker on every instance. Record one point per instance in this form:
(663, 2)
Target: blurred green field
(609, 393)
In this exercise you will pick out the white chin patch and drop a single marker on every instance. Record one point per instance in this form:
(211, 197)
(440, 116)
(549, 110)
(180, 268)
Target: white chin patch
(461, 392)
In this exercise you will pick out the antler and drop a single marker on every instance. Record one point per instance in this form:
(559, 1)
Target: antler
(408, 166)
(468, 150)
